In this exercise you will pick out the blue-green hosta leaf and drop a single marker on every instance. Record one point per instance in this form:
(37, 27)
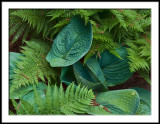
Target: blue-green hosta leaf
(22, 91)
(71, 44)
(144, 94)
(81, 75)
(145, 101)
(30, 96)
(13, 57)
(94, 67)
(67, 75)
(116, 70)
(143, 109)
(86, 78)
(17, 93)
(120, 102)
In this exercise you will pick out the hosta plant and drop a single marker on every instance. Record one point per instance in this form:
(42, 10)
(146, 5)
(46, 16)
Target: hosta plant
(70, 60)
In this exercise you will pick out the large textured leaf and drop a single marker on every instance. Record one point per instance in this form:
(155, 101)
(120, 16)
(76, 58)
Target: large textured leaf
(71, 44)
(29, 96)
(13, 58)
(143, 109)
(145, 101)
(24, 90)
(16, 94)
(116, 70)
(82, 75)
(144, 94)
(67, 75)
(120, 102)
(94, 67)
(98, 110)
(86, 78)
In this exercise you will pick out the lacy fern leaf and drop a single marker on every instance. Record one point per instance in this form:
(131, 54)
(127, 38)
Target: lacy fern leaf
(74, 100)
(35, 18)
(139, 54)
(33, 65)
(18, 28)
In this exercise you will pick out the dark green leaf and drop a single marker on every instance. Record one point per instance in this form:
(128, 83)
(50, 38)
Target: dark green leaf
(13, 58)
(71, 44)
(145, 101)
(116, 70)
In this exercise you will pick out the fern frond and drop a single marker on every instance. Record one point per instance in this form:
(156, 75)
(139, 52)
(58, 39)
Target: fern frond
(11, 113)
(74, 100)
(19, 108)
(33, 65)
(35, 18)
(132, 14)
(18, 28)
(61, 23)
(28, 107)
(120, 17)
(139, 54)
(101, 42)
(141, 23)
(57, 13)
(145, 75)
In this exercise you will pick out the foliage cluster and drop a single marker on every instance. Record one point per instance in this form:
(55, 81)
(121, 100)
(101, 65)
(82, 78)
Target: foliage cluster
(95, 49)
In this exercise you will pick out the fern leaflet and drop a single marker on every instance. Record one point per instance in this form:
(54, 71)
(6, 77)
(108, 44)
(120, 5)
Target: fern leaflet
(74, 100)
(33, 65)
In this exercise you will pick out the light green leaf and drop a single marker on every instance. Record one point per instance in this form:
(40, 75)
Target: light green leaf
(97, 110)
(120, 102)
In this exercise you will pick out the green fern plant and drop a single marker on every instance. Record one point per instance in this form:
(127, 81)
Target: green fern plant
(18, 28)
(35, 18)
(112, 29)
(74, 100)
(139, 53)
(33, 65)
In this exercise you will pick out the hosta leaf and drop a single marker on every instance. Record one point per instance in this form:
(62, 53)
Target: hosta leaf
(143, 109)
(116, 70)
(120, 102)
(13, 57)
(144, 94)
(23, 90)
(145, 101)
(93, 65)
(71, 44)
(97, 110)
(17, 93)
(86, 78)
(67, 75)
(82, 75)
(30, 98)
